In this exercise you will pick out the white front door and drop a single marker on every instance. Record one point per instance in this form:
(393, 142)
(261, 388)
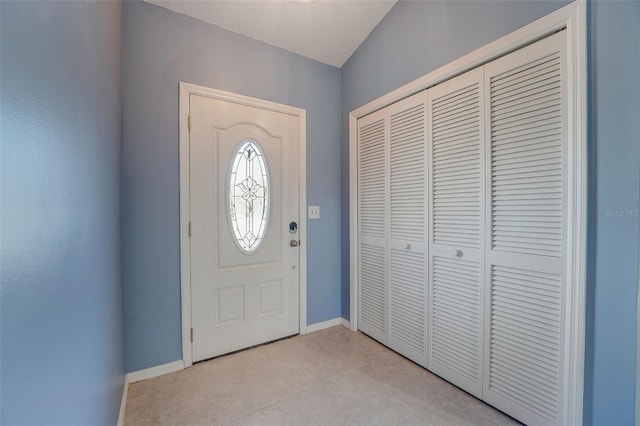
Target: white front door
(244, 226)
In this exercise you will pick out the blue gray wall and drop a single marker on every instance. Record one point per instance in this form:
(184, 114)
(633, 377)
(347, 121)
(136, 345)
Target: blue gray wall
(162, 48)
(62, 319)
(614, 228)
(418, 37)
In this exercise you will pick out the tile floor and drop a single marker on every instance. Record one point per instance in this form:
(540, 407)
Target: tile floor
(330, 377)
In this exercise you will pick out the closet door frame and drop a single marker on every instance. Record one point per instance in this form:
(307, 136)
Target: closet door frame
(572, 18)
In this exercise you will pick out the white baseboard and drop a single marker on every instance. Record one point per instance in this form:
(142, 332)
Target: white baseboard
(123, 403)
(324, 324)
(147, 373)
(158, 370)
(345, 323)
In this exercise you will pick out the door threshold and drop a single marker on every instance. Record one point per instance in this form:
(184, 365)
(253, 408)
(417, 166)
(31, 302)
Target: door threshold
(247, 348)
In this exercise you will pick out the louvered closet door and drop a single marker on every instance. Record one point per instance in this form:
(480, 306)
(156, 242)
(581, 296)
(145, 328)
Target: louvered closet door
(526, 205)
(407, 207)
(456, 230)
(372, 220)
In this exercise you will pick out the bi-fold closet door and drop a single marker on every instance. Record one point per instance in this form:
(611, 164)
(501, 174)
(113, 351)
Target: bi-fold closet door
(392, 227)
(457, 229)
(462, 230)
(526, 197)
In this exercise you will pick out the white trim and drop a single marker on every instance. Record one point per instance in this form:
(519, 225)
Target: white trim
(187, 89)
(573, 18)
(158, 370)
(638, 343)
(576, 271)
(345, 323)
(353, 219)
(302, 200)
(637, 407)
(123, 402)
(324, 324)
(147, 373)
(638, 346)
(185, 217)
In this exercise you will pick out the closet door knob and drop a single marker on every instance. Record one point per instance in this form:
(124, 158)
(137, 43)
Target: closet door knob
(408, 246)
(458, 253)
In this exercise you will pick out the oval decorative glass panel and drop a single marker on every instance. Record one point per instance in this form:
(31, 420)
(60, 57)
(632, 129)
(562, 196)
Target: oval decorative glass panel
(249, 196)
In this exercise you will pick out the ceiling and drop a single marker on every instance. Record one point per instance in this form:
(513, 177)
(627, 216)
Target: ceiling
(328, 31)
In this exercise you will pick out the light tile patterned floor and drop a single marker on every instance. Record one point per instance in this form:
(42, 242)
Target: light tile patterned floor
(331, 377)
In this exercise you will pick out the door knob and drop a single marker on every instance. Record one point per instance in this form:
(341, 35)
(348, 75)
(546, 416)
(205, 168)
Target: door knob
(294, 243)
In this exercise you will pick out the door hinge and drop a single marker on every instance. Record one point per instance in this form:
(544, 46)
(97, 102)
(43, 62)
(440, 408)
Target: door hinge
(191, 336)
(189, 229)
(189, 123)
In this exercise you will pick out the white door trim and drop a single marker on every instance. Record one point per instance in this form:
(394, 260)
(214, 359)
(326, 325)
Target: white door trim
(187, 89)
(638, 345)
(572, 17)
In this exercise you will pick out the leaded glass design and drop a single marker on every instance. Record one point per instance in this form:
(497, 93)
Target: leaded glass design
(249, 196)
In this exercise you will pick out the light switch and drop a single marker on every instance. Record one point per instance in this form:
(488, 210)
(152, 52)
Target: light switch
(314, 212)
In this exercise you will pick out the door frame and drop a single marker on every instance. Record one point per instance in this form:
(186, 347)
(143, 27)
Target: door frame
(573, 18)
(186, 90)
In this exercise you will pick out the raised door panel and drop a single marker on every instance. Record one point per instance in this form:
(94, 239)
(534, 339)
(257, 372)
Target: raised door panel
(456, 230)
(407, 207)
(526, 203)
(372, 225)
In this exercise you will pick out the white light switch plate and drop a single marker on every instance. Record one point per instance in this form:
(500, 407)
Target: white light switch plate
(314, 212)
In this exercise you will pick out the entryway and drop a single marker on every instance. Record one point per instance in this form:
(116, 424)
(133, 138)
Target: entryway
(330, 377)
(243, 208)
